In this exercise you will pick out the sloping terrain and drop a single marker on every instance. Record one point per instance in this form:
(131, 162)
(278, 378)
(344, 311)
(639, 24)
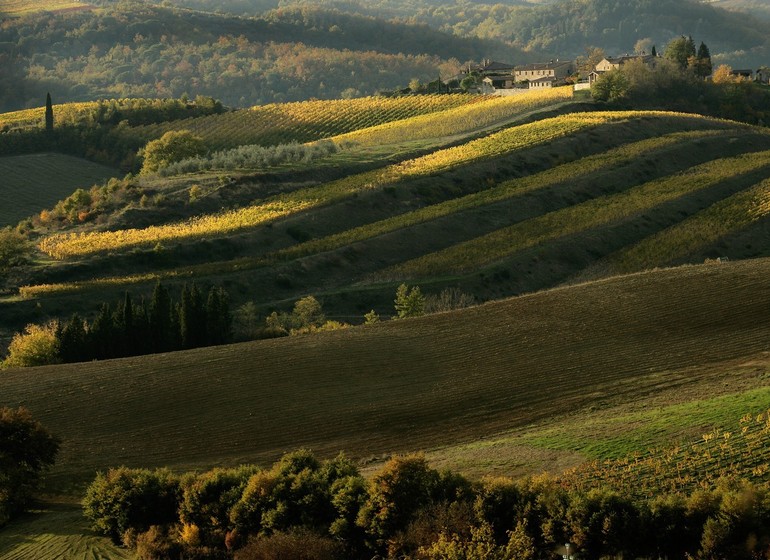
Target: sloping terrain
(524, 208)
(34, 182)
(405, 385)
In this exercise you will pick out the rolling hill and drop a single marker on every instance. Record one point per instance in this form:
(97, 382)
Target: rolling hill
(38, 181)
(681, 334)
(546, 197)
(497, 214)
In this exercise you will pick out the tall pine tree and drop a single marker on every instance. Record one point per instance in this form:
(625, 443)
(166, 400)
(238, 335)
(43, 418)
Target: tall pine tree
(218, 319)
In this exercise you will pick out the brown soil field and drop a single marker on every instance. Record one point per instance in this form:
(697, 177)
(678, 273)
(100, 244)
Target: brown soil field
(403, 385)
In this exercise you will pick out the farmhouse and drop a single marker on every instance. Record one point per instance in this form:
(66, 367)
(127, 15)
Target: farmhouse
(542, 75)
(611, 63)
(493, 75)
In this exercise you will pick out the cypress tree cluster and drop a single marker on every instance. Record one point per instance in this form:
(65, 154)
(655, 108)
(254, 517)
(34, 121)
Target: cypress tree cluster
(132, 329)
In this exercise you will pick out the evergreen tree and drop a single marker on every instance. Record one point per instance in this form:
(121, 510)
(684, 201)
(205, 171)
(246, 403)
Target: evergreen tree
(141, 330)
(73, 341)
(48, 113)
(161, 332)
(102, 334)
(192, 319)
(654, 51)
(703, 66)
(218, 318)
(409, 303)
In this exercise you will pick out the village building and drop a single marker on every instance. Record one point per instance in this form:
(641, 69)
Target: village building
(504, 79)
(744, 73)
(612, 63)
(543, 75)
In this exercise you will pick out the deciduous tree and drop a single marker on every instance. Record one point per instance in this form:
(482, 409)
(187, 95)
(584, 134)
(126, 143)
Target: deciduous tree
(173, 146)
(27, 449)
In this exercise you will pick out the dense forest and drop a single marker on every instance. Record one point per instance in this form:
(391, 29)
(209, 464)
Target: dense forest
(566, 28)
(246, 53)
(136, 50)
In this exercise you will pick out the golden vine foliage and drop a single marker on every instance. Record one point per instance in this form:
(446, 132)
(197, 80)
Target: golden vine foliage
(67, 245)
(306, 121)
(707, 226)
(504, 242)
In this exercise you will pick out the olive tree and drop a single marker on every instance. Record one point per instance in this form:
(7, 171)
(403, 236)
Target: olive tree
(172, 147)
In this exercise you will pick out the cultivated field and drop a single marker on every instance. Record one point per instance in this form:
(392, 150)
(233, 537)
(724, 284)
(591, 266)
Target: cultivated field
(592, 371)
(36, 182)
(416, 384)
(15, 8)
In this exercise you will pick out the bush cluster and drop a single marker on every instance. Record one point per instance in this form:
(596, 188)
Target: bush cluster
(251, 157)
(305, 508)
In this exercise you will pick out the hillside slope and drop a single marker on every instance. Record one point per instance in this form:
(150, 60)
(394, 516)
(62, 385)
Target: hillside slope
(406, 385)
(524, 208)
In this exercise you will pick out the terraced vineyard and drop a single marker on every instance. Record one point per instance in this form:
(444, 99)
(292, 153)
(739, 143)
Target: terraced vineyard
(495, 145)
(572, 203)
(306, 121)
(498, 245)
(16, 8)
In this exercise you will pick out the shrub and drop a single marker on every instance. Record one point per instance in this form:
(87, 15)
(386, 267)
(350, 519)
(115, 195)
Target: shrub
(37, 346)
(14, 250)
(448, 300)
(404, 486)
(299, 491)
(299, 544)
(156, 544)
(206, 501)
(135, 499)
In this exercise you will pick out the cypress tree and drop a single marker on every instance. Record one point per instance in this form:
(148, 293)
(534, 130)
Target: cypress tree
(48, 113)
(73, 341)
(218, 318)
(192, 319)
(705, 66)
(161, 332)
(654, 51)
(102, 334)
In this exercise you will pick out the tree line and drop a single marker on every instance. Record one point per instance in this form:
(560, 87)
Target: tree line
(328, 510)
(129, 328)
(676, 81)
